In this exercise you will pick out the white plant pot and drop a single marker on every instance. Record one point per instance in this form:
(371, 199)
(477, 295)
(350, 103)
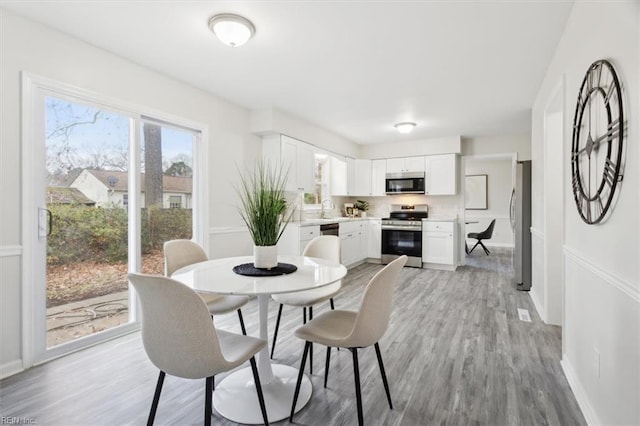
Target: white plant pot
(265, 257)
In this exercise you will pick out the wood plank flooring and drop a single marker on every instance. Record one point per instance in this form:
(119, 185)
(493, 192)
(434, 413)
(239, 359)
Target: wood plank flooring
(455, 353)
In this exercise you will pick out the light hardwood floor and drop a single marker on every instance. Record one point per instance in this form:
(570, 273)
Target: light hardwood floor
(455, 353)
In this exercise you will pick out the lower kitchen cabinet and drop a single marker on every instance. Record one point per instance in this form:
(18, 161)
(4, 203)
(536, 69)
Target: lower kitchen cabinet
(353, 240)
(296, 237)
(438, 244)
(374, 236)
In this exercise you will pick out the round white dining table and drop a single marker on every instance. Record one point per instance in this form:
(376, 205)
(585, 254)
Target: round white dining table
(235, 397)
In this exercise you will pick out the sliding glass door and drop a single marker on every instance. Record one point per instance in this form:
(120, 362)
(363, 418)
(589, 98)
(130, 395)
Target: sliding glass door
(109, 187)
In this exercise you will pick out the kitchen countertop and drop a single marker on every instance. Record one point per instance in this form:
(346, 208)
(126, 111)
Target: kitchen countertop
(440, 219)
(310, 222)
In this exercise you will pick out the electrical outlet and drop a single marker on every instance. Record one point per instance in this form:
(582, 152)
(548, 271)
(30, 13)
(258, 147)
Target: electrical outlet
(596, 362)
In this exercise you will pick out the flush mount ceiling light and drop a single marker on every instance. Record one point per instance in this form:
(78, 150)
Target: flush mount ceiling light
(405, 127)
(232, 30)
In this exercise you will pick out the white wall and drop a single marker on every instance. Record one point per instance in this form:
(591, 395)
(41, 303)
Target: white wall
(601, 276)
(518, 143)
(499, 187)
(434, 146)
(273, 121)
(31, 47)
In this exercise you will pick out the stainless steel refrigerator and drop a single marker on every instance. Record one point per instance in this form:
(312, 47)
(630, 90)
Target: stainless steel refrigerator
(520, 215)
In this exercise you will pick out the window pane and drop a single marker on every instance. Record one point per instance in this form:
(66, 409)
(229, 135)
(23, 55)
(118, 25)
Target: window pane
(87, 170)
(167, 191)
(321, 181)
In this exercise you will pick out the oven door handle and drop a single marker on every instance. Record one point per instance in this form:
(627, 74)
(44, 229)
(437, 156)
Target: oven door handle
(401, 228)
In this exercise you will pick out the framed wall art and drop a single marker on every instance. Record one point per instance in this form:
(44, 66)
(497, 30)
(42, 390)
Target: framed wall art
(475, 192)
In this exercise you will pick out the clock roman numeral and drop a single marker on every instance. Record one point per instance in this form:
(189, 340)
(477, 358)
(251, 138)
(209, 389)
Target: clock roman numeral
(576, 183)
(586, 209)
(613, 130)
(609, 174)
(594, 76)
(610, 92)
(598, 207)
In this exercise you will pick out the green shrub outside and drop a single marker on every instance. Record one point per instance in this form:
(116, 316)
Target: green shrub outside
(81, 233)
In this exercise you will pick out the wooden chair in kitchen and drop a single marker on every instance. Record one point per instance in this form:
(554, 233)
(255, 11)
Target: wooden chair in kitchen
(484, 235)
(354, 330)
(181, 253)
(324, 247)
(186, 344)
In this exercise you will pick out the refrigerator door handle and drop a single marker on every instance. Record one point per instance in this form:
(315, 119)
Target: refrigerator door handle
(512, 209)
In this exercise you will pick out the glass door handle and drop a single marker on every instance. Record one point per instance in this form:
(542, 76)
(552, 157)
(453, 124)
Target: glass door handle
(45, 223)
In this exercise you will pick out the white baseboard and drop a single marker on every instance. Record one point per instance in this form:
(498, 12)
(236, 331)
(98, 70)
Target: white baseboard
(471, 243)
(11, 368)
(578, 391)
(539, 307)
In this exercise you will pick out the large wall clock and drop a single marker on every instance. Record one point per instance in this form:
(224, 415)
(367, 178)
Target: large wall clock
(596, 150)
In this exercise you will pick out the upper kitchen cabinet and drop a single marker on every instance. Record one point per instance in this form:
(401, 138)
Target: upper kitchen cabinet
(406, 164)
(440, 174)
(342, 176)
(295, 155)
(362, 177)
(378, 172)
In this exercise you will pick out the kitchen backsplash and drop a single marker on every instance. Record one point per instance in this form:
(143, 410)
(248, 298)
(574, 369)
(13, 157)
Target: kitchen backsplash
(444, 205)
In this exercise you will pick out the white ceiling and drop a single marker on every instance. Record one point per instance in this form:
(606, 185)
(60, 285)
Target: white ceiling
(469, 68)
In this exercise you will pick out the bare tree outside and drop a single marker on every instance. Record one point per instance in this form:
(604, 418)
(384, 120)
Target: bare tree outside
(153, 164)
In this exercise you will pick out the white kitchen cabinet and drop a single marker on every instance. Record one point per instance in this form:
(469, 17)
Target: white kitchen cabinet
(438, 244)
(441, 174)
(374, 238)
(338, 177)
(293, 155)
(296, 237)
(342, 176)
(362, 177)
(405, 164)
(378, 172)
(353, 242)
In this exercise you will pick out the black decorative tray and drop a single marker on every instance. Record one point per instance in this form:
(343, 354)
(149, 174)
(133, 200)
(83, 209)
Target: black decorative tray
(251, 271)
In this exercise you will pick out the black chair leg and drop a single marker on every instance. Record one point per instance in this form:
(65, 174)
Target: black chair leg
(208, 394)
(474, 247)
(307, 345)
(244, 330)
(384, 375)
(311, 350)
(256, 378)
(356, 378)
(275, 333)
(486, 250)
(156, 398)
(326, 365)
(333, 308)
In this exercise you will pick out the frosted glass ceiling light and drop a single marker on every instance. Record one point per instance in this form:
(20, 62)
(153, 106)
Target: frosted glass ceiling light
(232, 30)
(405, 127)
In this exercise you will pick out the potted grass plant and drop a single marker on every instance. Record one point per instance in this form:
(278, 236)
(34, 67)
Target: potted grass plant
(263, 207)
(362, 206)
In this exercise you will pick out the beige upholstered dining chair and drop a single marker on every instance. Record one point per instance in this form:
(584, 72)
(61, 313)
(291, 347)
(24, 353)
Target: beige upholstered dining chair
(354, 330)
(324, 247)
(181, 253)
(186, 344)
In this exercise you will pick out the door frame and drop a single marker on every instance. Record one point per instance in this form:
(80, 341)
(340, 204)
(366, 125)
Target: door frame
(512, 156)
(34, 90)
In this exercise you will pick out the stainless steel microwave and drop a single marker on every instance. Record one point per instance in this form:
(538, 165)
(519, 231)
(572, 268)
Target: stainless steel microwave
(404, 183)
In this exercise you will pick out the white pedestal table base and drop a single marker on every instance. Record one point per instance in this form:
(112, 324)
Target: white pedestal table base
(236, 399)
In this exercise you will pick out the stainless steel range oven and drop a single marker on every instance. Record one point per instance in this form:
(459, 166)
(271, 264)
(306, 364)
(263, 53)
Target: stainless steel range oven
(402, 234)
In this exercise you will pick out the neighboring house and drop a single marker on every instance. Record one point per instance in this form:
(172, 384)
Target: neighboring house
(64, 195)
(109, 187)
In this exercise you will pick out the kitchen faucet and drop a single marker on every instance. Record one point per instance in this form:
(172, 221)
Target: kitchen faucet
(331, 207)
